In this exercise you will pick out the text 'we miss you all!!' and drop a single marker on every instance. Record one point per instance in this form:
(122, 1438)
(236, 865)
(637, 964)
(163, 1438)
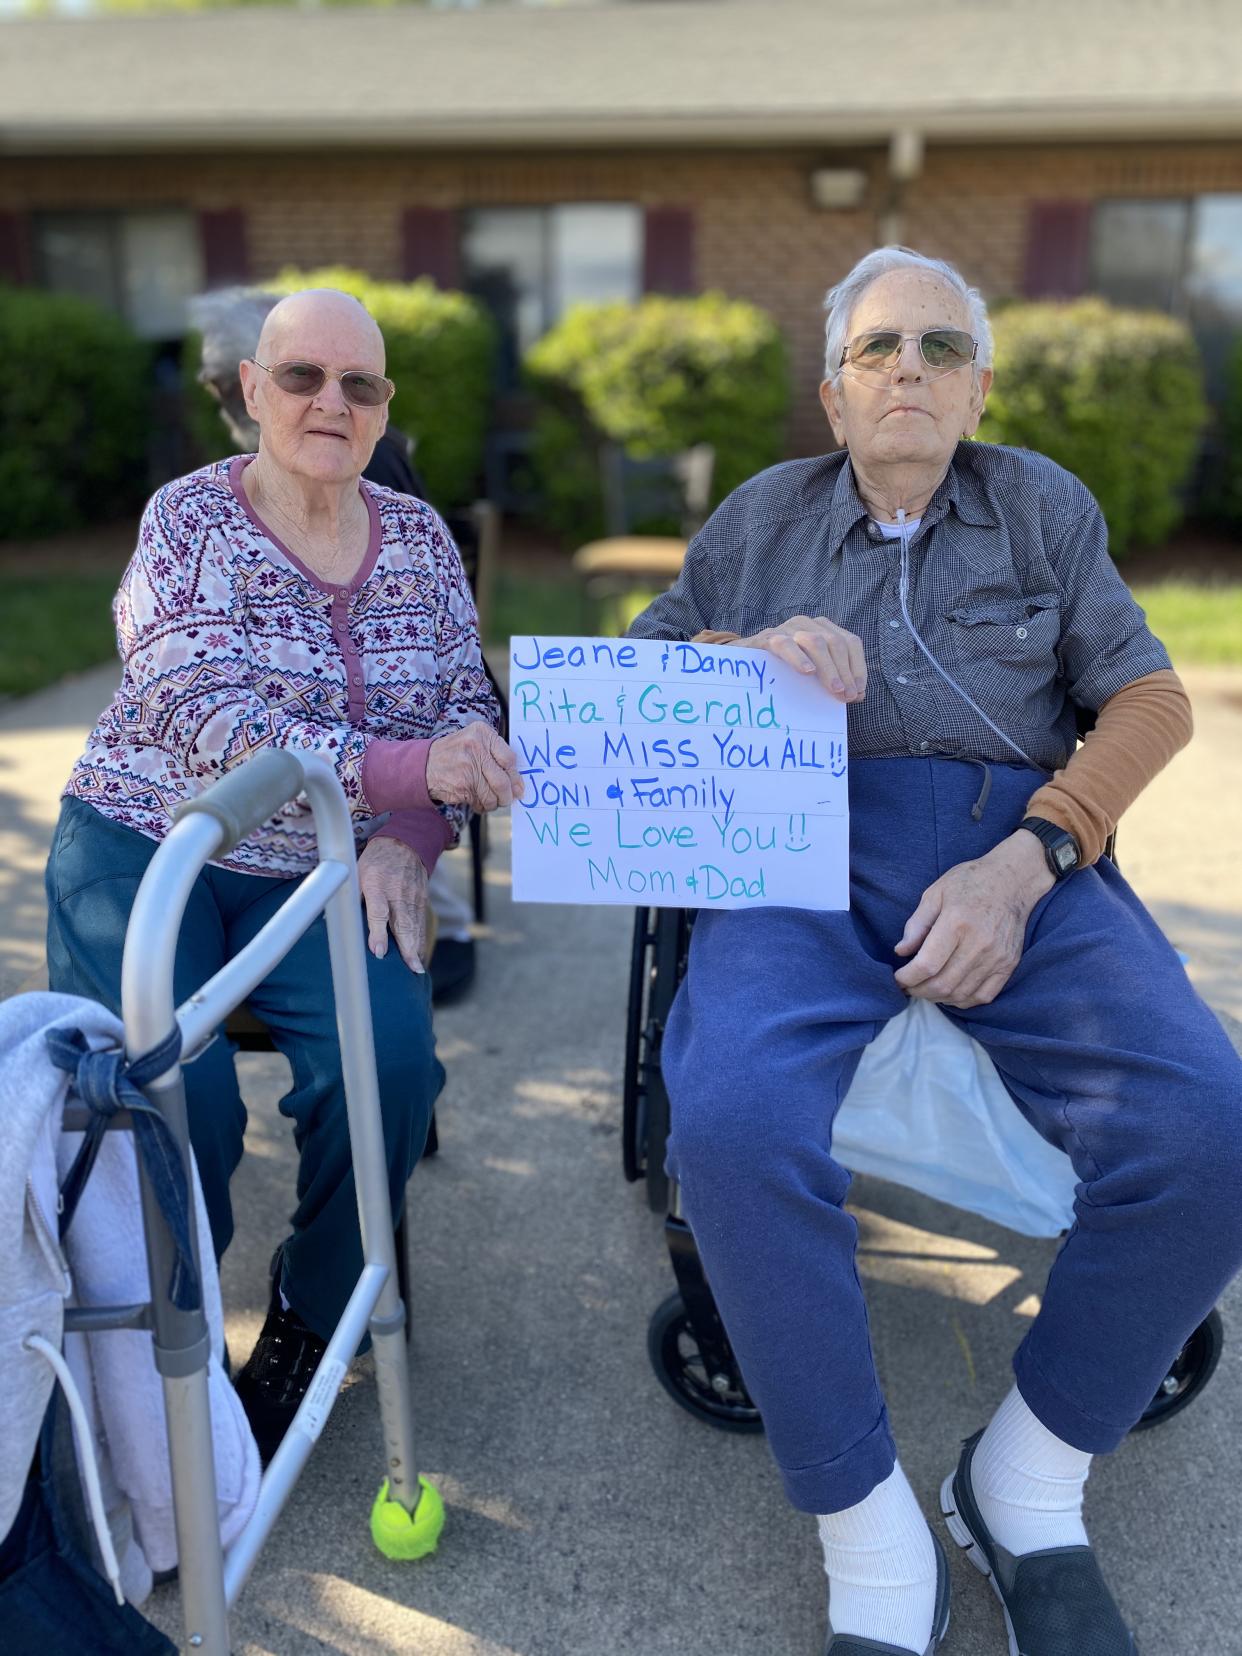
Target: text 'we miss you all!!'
(675, 774)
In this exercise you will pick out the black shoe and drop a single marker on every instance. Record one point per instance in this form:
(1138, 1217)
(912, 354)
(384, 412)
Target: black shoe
(1056, 1602)
(452, 969)
(277, 1373)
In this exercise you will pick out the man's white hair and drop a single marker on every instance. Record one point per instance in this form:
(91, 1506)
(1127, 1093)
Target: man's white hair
(842, 300)
(230, 321)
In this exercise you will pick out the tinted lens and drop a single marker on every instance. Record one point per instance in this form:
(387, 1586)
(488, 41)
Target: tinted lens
(366, 390)
(947, 348)
(300, 379)
(875, 350)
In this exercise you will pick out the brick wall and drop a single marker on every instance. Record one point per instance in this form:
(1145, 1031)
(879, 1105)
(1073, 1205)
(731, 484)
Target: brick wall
(757, 235)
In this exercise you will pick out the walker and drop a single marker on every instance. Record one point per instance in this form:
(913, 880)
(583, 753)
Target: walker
(408, 1513)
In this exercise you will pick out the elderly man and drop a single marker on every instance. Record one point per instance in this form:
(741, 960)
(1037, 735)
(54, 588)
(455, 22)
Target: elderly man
(275, 600)
(960, 598)
(229, 322)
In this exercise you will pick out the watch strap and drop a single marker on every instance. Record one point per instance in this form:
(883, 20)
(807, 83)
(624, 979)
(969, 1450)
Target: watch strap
(1056, 841)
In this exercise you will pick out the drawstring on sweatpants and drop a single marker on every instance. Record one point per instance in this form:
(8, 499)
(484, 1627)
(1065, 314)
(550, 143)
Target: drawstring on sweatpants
(980, 804)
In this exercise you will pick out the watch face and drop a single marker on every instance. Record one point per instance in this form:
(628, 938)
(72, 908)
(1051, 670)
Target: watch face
(1065, 857)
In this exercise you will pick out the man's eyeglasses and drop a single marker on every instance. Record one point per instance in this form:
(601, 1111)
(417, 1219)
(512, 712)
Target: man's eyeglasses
(875, 355)
(306, 379)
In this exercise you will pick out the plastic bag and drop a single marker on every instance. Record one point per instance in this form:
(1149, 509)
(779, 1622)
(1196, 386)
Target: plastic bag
(927, 1109)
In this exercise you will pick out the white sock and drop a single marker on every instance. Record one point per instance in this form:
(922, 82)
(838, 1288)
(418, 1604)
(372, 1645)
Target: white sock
(1027, 1483)
(881, 1567)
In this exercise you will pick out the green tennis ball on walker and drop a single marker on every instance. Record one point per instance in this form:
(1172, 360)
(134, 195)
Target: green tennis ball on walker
(400, 1534)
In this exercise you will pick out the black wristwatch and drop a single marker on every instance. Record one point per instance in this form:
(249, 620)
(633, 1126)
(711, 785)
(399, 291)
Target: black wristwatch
(1060, 847)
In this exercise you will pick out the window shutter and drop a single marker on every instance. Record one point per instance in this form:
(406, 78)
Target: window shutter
(668, 250)
(1058, 248)
(430, 245)
(222, 233)
(14, 249)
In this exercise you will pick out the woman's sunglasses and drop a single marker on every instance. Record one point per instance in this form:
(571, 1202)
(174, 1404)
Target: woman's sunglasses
(305, 379)
(942, 349)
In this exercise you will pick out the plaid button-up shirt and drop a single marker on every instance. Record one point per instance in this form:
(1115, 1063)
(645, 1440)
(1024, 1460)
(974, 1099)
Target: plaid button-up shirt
(1011, 588)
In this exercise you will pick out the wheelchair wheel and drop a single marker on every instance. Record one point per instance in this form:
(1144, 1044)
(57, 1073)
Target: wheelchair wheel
(1190, 1371)
(680, 1369)
(657, 962)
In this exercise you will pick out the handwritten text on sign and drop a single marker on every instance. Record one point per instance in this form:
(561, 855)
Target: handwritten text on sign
(678, 775)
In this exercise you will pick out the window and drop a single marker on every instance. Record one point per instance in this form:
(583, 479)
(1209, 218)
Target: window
(529, 264)
(1214, 278)
(1179, 256)
(1138, 251)
(142, 265)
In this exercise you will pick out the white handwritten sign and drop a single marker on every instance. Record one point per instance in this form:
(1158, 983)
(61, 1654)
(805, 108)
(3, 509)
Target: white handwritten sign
(676, 775)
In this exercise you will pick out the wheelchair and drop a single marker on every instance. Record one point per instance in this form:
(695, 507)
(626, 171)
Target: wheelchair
(687, 1341)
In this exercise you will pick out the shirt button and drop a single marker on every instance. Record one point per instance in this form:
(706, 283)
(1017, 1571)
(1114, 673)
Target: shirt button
(1021, 632)
(894, 623)
(358, 680)
(902, 679)
(923, 745)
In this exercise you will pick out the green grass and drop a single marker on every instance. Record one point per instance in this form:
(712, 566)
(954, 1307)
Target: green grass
(58, 623)
(1200, 624)
(51, 625)
(558, 606)
(548, 604)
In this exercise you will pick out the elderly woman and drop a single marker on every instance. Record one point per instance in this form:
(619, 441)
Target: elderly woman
(229, 322)
(276, 600)
(960, 598)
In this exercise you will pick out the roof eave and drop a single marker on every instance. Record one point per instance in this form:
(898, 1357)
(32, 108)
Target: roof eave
(1089, 123)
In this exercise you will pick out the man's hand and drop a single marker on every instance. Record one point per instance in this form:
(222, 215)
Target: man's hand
(394, 892)
(970, 924)
(473, 766)
(813, 644)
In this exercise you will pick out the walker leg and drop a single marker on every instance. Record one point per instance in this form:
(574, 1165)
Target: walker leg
(204, 1610)
(408, 1514)
(182, 1348)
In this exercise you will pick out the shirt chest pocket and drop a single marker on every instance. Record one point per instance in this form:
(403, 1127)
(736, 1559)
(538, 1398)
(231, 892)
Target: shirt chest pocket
(1019, 630)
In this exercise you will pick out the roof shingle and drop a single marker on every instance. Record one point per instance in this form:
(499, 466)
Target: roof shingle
(694, 71)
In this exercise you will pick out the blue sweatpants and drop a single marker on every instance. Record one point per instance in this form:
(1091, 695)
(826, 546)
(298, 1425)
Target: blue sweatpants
(92, 876)
(1105, 1048)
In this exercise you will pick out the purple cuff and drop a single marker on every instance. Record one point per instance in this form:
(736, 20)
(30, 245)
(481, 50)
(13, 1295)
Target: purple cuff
(426, 832)
(394, 774)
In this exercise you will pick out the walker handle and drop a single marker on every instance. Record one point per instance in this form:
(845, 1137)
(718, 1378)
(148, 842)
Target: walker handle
(246, 796)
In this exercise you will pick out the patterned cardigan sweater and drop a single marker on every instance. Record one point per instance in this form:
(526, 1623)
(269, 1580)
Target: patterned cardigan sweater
(230, 644)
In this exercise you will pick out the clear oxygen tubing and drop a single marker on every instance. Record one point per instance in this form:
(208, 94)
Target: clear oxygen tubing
(903, 588)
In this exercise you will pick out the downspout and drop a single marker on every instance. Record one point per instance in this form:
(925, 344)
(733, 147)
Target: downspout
(905, 164)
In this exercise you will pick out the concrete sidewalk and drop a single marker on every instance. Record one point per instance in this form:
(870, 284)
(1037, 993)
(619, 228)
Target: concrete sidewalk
(587, 1515)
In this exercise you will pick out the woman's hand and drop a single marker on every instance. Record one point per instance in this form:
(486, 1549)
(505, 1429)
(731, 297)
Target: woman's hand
(394, 893)
(813, 644)
(473, 766)
(970, 925)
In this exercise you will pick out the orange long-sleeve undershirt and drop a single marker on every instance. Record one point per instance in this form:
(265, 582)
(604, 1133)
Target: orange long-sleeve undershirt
(1137, 732)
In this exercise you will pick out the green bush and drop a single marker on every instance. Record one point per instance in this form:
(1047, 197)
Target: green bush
(74, 414)
(657, 377)
(1115, 396)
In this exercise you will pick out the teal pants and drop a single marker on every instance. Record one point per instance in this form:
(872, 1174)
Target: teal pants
(92, 876)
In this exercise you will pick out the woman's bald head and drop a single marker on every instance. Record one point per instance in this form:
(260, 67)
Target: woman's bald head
(325, 326)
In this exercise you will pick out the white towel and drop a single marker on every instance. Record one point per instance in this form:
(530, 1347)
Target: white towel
(115, 1370)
